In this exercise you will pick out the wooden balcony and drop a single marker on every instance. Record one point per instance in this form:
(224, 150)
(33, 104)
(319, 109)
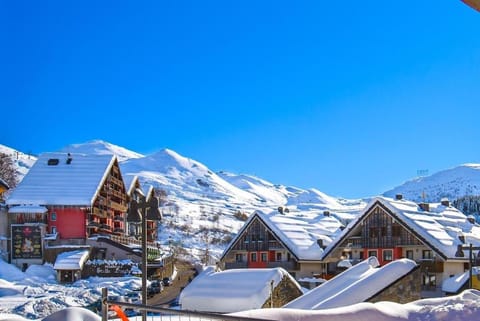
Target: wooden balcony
(99, 212)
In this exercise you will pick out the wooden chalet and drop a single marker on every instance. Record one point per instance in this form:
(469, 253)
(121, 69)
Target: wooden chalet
(135, 192)
(64, 199)
(293, 242)
(390, 229)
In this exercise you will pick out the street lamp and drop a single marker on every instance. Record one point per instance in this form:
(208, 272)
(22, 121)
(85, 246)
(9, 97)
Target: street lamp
(140, 212)
(460, 253)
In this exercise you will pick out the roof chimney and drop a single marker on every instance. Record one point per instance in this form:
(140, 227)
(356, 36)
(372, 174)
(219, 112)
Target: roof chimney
(326, 213)
(445, 202)
(425, 206)
(320, 243)
(69, 158)
(398, 197)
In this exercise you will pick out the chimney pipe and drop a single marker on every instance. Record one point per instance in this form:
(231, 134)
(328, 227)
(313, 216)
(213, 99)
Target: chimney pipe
(445, 202)
(425, 207)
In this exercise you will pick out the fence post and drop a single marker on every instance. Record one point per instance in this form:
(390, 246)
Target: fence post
(104, 304)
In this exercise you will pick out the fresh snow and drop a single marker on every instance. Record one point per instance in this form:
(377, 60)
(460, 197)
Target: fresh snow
(72, 260)
(231, 290)
(74, 184)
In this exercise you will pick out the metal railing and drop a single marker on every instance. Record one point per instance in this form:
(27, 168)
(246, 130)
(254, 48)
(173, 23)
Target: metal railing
(170, 313)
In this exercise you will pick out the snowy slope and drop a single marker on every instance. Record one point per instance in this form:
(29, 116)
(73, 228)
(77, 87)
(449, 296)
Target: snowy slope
(100, 147)
(451, 183)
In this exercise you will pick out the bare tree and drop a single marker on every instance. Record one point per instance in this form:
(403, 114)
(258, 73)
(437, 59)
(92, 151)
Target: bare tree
(7, 170)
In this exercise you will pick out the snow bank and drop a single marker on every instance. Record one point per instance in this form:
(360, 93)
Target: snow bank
(464, 307)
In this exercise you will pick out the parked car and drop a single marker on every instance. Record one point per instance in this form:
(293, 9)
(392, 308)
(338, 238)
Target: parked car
(167, 281)
(155, 287)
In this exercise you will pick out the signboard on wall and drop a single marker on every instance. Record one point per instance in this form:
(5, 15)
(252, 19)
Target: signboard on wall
(26, 242)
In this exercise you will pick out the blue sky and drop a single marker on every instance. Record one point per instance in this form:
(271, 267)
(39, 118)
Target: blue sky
(349, 97)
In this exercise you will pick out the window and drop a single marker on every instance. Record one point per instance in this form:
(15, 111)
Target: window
(54, 229)
(387, 255)
(253, 257)
(279, 256)
(427, 254)
(372, 253)
(264, 257)
(53, 216)
(409, 254)
(238, 258)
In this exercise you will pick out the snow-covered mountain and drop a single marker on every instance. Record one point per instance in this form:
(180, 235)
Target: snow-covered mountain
(451, 183)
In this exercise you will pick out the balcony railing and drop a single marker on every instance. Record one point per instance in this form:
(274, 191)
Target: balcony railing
(287, 265)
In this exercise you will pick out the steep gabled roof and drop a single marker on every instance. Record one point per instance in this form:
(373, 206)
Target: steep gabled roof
(438, 228)
(53, 180)
(298, 234)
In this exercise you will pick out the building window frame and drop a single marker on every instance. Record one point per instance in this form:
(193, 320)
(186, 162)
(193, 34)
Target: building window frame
(263, 256)
(387, 255)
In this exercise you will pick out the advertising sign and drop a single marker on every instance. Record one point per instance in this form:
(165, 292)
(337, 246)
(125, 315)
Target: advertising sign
(26, 242)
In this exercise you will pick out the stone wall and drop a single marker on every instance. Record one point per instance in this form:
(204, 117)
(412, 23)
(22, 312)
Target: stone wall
(404, 290)
(283, 293)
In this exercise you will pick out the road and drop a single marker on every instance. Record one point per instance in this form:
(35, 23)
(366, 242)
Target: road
(185, 273)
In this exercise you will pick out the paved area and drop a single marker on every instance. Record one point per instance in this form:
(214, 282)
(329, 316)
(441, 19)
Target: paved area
(185, 273)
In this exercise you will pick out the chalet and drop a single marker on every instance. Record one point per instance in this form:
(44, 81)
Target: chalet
(135, 191)
(292, 241)
(390, 229)
(64, 199)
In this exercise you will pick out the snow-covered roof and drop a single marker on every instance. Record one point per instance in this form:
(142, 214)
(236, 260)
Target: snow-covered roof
(454, 283)
(299, 232)
(73, 260)
(33, 209)
(440, 227)
(62, 183)
(231, 290)
(356, 284)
